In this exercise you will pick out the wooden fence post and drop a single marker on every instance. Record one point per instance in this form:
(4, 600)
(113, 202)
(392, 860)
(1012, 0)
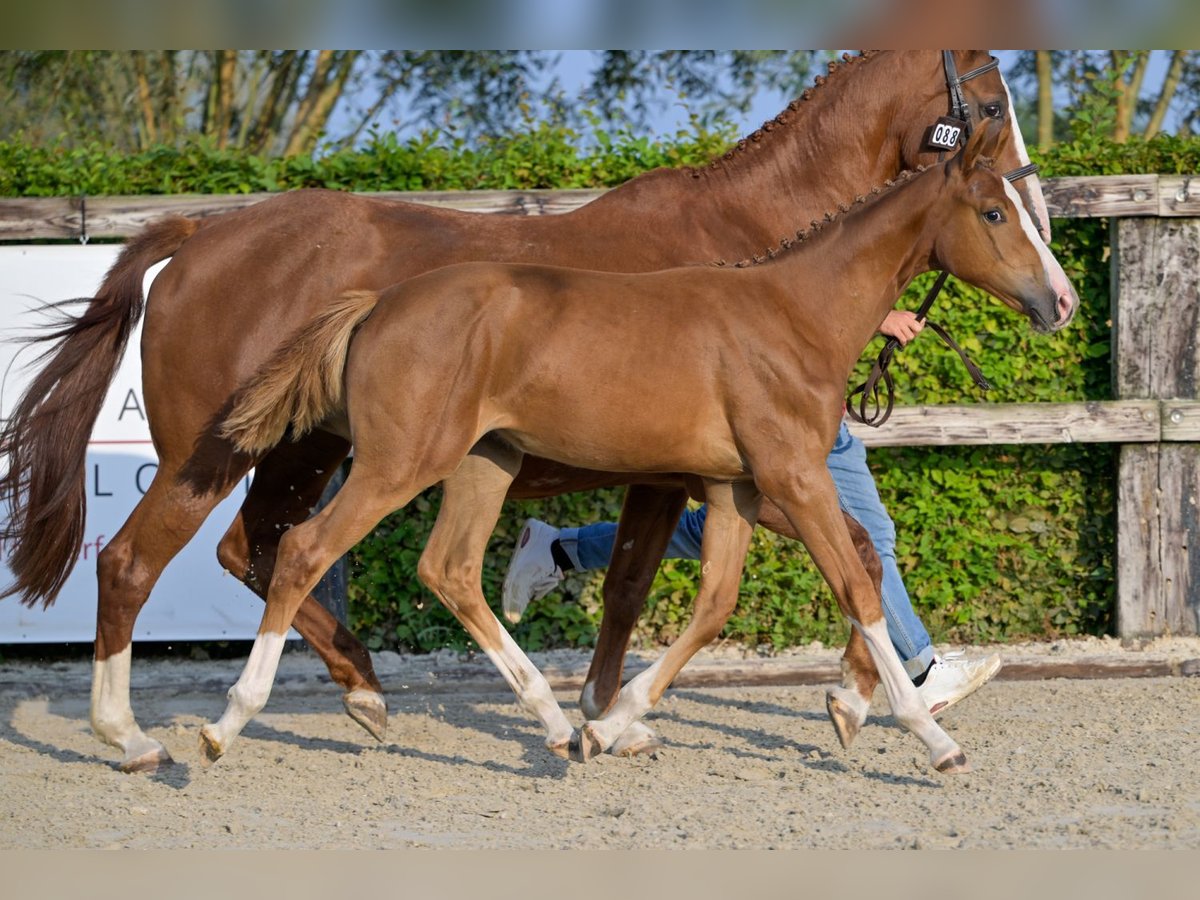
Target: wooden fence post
(1156, 355)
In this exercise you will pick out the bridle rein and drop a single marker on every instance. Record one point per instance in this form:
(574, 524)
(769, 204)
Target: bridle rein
(945, 136)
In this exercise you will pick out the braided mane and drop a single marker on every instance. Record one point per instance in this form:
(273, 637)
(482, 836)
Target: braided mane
(787, 116)
(816, 226)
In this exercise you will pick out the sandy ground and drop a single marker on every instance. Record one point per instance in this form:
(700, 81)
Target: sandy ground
(1109, 763)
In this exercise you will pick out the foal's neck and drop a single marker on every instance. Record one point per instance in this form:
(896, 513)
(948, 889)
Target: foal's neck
(862, 261)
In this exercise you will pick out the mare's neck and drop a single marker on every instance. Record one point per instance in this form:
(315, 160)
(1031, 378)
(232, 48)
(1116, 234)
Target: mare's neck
(833, 146)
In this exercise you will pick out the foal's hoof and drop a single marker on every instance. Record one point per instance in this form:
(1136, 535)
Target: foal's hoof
(847, 721)
(954, 764)
(369, 710)
(147, 763)
(210, 747)
(637, 740)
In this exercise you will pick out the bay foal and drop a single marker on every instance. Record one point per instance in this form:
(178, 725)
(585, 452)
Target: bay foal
(735, 375)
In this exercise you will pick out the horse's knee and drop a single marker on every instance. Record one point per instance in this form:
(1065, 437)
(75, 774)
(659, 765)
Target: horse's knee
(119, 572)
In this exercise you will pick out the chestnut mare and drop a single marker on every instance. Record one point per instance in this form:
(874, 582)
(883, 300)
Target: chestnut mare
(240, 283)
(747, 396)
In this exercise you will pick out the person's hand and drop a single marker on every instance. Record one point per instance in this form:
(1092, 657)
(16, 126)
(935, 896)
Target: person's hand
(901, 325)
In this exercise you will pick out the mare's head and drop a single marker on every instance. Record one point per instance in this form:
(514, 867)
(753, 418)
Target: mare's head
(985, 236)
(986, 99)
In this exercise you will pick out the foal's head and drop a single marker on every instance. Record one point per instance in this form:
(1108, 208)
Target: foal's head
(986, 236)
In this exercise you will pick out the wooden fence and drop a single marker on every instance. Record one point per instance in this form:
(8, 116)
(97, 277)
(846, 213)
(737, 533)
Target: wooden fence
(1155, 418)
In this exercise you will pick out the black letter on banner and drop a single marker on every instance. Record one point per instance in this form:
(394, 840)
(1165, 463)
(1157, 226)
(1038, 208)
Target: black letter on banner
(96, 483)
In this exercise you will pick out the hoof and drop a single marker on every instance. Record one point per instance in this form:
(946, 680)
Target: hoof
(563, 749)
(210, 748)
(846, 720)
(954, 764)
(369, 710)
(589, 744)
(147, 763)
(637, 740)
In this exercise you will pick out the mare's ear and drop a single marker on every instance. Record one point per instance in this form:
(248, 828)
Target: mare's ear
(983, 144)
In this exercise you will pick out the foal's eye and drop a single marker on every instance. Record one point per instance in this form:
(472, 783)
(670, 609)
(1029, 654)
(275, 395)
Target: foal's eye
(993, 111)
(994, 216)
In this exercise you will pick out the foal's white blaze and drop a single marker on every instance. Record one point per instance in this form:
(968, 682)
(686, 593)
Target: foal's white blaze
(1056, 278)
(1035, 186)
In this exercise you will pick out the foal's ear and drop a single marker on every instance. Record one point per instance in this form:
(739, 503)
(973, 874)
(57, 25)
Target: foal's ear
(983, 144)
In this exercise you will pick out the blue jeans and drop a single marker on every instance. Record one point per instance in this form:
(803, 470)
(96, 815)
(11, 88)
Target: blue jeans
(590, 547)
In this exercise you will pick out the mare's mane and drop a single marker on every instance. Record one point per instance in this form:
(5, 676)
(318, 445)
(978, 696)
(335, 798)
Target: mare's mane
(787, 118)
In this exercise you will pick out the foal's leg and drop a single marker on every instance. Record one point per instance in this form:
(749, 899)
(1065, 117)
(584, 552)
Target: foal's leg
(810, 504)
(287, 484)
(452, 566)
(648, 519)
(847, 705)
(305, 554)
(732, 509)
(163, 520)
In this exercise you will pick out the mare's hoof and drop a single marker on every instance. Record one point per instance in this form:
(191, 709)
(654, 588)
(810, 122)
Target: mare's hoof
(147, 763)
(846, 721)
(954, 764)
(210, 748)
(369, 710)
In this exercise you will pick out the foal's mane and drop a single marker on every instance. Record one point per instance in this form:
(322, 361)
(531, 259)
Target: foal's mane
(816, 226)
(795, 109)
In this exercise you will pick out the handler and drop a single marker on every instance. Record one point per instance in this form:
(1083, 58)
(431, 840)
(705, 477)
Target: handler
(544, 554)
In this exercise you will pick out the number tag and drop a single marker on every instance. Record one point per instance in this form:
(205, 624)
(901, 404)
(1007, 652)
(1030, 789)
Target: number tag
(945, 133)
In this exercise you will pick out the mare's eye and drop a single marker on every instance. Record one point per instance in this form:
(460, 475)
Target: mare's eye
(994, 216)
(993, 111)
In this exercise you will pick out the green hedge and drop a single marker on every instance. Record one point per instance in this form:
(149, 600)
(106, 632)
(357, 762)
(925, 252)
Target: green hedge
(996, 543)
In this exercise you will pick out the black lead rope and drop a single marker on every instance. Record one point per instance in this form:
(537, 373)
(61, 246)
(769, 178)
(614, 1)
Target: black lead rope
(870, 410)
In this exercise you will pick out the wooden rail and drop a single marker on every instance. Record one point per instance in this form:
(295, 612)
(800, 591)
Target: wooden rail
(38, 218)
(1155, 417)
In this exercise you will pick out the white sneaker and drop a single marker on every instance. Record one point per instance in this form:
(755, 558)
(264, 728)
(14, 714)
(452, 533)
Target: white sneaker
(532, 573)
(953, 677)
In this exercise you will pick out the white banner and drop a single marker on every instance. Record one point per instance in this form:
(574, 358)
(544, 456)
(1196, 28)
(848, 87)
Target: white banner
(194, 599)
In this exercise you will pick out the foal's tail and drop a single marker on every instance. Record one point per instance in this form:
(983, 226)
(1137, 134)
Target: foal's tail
(301, 383)
(45, 438)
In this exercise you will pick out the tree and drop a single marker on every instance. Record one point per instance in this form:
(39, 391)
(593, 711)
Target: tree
(288, 102)
(1114, 93)
(261, 101)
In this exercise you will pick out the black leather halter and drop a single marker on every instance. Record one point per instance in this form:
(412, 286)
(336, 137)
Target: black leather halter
(870, 411)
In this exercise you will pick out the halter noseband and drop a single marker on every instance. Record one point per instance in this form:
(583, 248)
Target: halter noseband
(958, 126)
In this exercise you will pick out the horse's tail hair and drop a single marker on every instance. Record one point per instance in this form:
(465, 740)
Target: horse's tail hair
(302, 382)
(45, 438)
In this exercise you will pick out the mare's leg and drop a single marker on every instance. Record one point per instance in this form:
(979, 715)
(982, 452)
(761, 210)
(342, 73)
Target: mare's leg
(648, 519)
(287, 484)
(732, 509)
(305, 554)
(165, 519)
(452, 565)
(809, 501)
